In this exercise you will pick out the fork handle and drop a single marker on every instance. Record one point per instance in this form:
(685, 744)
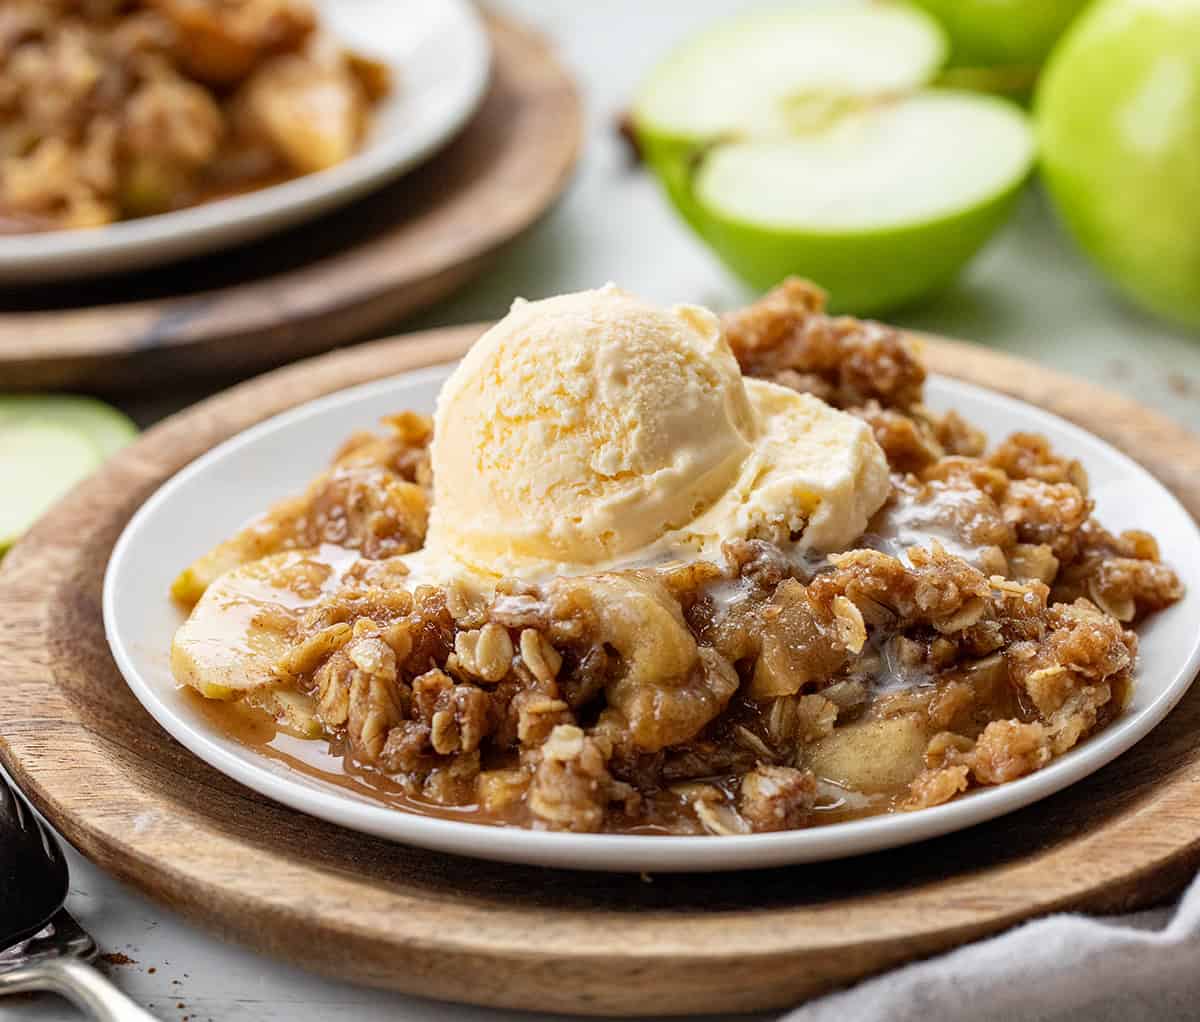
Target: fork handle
(80, 984)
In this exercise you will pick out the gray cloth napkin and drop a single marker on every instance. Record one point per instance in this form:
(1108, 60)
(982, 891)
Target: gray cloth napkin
(1118, 968)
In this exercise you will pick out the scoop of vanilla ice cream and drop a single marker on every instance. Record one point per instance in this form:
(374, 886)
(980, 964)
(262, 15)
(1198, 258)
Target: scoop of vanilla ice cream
(815, 473)
(593, 430)
(582, 428)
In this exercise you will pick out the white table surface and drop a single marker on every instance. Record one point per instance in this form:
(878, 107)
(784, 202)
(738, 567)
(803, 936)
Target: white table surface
(1029, 293)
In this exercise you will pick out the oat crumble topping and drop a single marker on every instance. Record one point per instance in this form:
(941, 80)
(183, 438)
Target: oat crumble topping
(982, 626)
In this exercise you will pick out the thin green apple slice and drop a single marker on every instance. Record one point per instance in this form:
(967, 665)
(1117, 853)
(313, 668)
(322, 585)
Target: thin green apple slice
(48, 442)
(39, 462)
(880, 207)
(107, 428)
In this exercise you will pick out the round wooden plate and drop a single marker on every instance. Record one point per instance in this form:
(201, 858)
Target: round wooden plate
(326, 282)
(362, 909)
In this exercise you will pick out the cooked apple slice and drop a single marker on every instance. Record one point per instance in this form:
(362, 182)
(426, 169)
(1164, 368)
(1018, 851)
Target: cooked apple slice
(243, 624)
(220, 43)
(875, 756)
(271, 533)
(246, 620)
(804, 142)
(293, 711)
(309, 107)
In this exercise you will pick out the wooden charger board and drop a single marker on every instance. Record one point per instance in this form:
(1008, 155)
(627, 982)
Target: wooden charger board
(362, 909)
(326, 282)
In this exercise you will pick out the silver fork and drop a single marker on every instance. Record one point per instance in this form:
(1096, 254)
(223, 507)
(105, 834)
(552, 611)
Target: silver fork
(32, 887)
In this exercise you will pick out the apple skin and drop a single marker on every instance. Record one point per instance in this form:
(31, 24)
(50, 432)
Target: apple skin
(1118, 121)
(867, 273)
(864, 273)
(986, 33)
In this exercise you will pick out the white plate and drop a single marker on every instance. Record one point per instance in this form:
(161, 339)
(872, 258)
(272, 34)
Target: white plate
(440, 57)
(212, 497)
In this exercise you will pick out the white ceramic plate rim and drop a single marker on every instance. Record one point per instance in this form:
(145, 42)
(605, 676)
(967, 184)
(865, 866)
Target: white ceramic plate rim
(638, 852)
(224, 222)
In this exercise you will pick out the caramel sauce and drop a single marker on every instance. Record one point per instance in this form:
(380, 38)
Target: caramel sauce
(664, 813)
(321, 760)
(324, 761)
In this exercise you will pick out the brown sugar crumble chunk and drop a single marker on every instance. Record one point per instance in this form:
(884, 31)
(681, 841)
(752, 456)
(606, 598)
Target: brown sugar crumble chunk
(777, 797)
(785, 338)
(979, 628)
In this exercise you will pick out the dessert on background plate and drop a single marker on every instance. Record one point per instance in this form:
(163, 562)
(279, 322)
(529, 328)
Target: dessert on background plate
(115, 109)
(651, 572)
(228, 120)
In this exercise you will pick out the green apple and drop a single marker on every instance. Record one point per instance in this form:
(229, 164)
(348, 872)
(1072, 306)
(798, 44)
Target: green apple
(989, 33)
(1000, 45)
(1118, 118)
(805, 141)
(47, 444)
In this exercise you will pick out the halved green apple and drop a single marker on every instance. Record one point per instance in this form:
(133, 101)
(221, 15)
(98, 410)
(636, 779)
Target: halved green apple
(828, 206)
(804, 142)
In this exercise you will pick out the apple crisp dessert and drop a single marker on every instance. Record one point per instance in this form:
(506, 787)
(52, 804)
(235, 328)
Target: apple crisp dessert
(112, 109)
(979, 626)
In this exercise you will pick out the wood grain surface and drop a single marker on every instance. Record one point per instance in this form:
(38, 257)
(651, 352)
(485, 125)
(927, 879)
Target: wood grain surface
(324, 283)
(365, 910)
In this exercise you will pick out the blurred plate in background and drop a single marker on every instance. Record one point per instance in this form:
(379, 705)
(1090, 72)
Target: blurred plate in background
(327, 282)
(439, 56)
